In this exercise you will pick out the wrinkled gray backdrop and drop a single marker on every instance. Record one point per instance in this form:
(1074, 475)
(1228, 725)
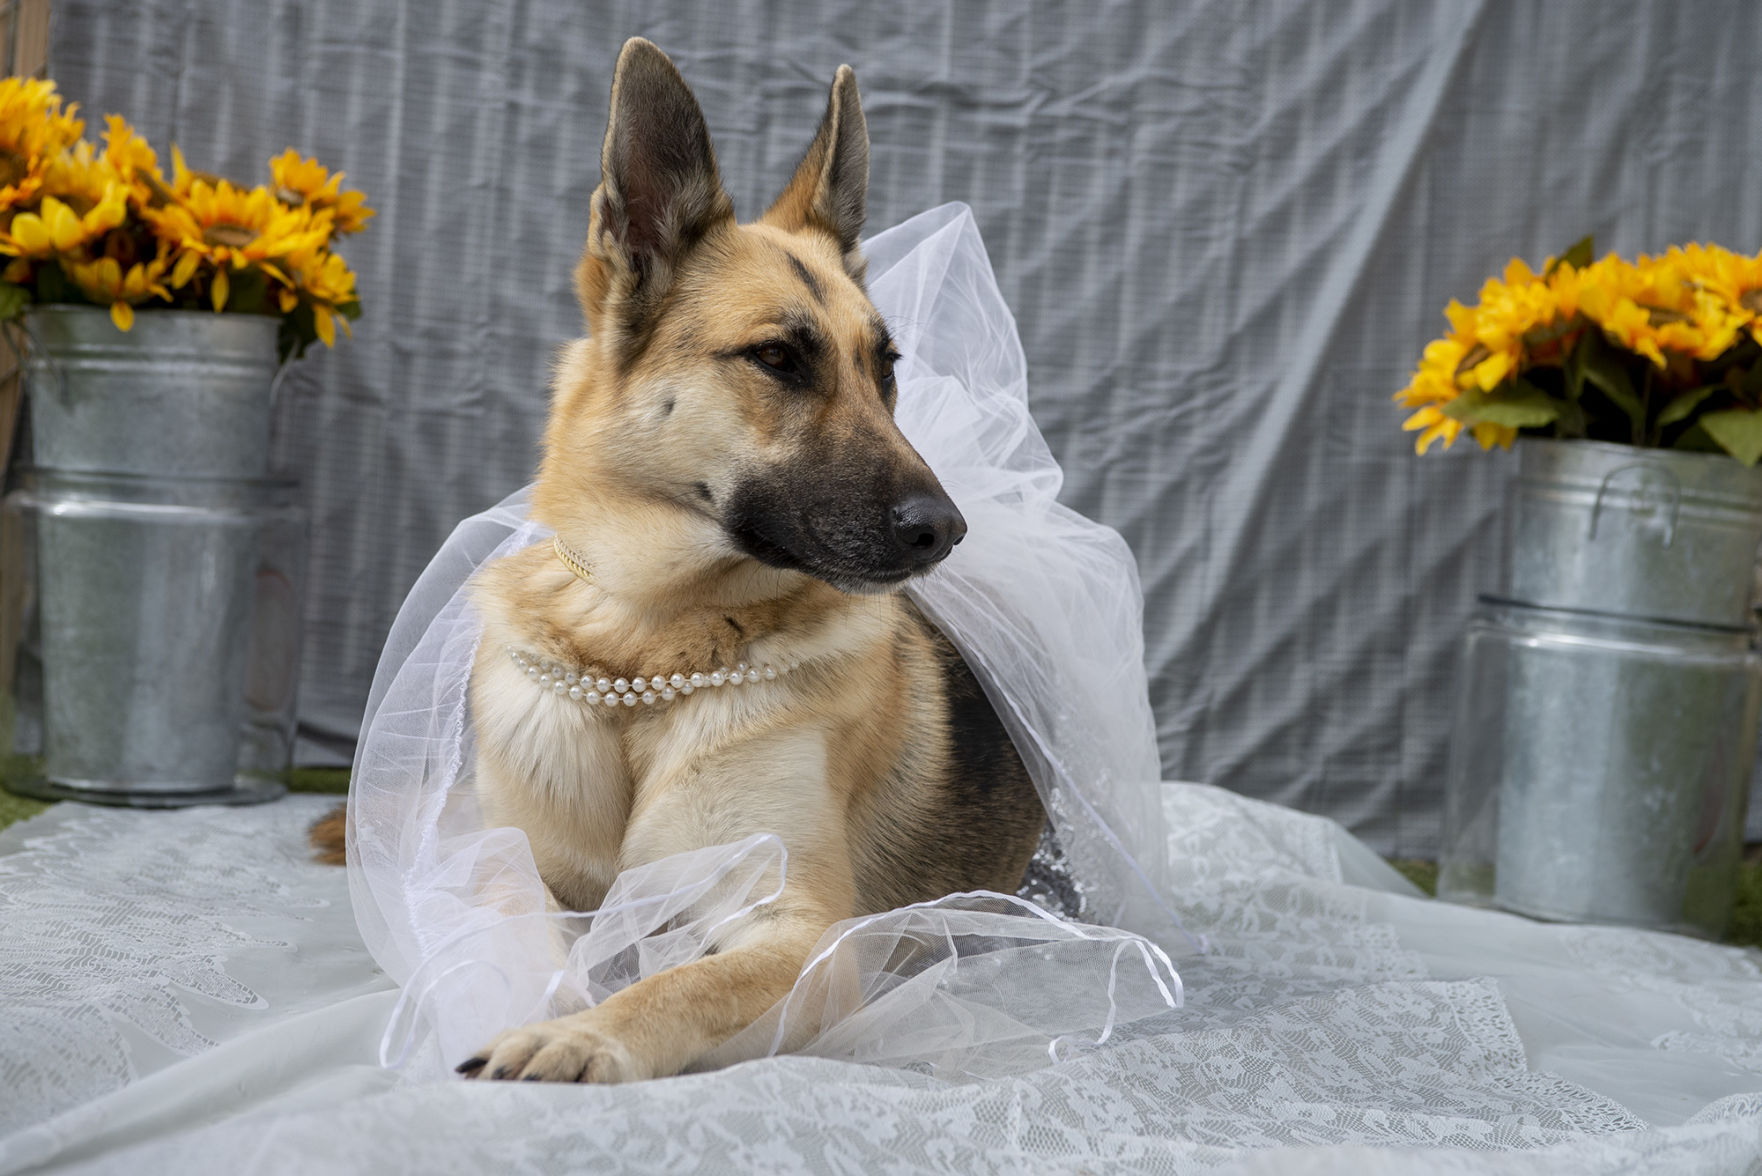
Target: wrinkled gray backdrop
(1226, 228)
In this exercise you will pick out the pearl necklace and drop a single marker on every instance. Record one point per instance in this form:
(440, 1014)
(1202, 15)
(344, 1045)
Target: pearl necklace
(648, 689)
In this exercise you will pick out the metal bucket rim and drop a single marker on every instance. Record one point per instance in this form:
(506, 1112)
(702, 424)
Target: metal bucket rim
(1547, 453)
(1489, 602)
(257, 498)
(150, 314)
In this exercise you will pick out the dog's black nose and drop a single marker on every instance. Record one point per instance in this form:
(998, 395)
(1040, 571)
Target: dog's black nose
(926, 527)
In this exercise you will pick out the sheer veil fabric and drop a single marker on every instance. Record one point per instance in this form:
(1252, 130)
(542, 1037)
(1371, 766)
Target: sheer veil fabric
(1046, 607)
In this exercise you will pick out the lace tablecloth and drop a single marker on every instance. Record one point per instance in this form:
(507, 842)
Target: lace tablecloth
(185, 991)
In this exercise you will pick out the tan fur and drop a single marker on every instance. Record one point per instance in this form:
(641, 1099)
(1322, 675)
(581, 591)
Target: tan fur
(850, 759)
(329, 835)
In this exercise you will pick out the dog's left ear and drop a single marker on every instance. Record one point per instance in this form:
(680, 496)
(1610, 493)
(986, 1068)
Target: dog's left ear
(830, 189)
(659, 194)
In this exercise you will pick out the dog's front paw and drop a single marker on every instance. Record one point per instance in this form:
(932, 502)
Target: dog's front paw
(563, 1050)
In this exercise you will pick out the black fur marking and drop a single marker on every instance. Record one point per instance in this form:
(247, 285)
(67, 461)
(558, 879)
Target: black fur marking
(667, 408)
(990, 796)
(735, 625)
(807, 278)
(703, 491)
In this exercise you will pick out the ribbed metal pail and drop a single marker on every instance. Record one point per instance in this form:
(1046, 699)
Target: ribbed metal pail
(183, 392)
(1635, 532)
(1601, 768)
(144, 590)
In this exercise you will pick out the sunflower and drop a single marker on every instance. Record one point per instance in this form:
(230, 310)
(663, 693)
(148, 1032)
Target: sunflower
(307, 182)
(90, 204)
(227, 226)
(132, 160)
(34, 129)
(1484, 347)
(105, 281)
(1731, 282)
(326, 282)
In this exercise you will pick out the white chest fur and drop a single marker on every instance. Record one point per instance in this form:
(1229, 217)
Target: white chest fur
(714, 770)
(555, 770)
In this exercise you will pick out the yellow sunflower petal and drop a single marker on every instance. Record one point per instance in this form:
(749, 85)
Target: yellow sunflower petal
(1491, 370)
(185, 269)
(1489, 435)
(219, 290)
(30, 232)
(1425, 418)
(63, 224)
(326, 325)
(123, 315)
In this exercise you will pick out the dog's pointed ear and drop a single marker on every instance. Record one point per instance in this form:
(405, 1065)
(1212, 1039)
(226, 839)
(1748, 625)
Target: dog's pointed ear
(830, 189)
(659, 191)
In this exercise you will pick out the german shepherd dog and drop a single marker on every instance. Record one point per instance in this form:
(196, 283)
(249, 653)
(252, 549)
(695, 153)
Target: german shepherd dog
(717, 635)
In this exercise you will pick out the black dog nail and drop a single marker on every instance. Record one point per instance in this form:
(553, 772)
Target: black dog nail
(469, 1066)
(502, 1071)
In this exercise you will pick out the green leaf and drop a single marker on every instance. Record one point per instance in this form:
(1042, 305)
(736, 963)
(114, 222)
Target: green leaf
(1738, 431)
(1696, 440)
(249, 292)
(1578, 256)
(1537, 336)
(1517, 404)
(298, 331)
(53, 286)
(1600, 365)
(1572, 421)
(350, 310)
(13, 300)
(1683, 405)
(1749, 385)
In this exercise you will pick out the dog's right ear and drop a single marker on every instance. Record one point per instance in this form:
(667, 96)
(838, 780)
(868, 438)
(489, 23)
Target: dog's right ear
(659, 192)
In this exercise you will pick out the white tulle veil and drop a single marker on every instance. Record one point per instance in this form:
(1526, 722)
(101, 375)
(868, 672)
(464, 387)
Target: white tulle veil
(1046, 607)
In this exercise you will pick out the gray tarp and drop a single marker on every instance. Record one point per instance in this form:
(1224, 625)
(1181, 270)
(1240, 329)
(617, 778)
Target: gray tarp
(1227, 228)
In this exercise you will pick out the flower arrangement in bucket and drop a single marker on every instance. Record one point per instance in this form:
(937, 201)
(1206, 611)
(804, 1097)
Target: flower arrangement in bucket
(158, 314)
(105, 228)
(1606, 725)
(1665, 352)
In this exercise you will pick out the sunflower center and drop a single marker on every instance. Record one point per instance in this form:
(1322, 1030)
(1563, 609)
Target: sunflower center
(289, 196)
(13, 167)
(1751, 300)
(231, 236)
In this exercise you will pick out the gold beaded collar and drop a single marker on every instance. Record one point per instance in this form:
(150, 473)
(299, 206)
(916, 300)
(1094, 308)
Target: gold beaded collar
(571, 560)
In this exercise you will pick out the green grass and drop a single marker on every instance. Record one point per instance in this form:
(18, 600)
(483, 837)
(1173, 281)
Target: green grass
(14, 808)
(17, 808)
(1418, 871)
(331, 781)
(1746, 914)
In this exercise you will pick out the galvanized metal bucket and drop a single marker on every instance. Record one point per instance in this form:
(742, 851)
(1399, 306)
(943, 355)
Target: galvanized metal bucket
(183, 392)
(144, 594)
(1635, 532)
(1600, 768)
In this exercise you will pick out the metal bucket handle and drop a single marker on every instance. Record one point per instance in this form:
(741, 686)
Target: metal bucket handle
(56, 371)
(1675, 495)
(281, 371)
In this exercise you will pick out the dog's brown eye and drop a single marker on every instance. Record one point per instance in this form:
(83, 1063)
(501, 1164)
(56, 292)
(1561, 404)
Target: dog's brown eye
(775, 355)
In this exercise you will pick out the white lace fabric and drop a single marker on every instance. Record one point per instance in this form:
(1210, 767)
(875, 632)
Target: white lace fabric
(210, 1010)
